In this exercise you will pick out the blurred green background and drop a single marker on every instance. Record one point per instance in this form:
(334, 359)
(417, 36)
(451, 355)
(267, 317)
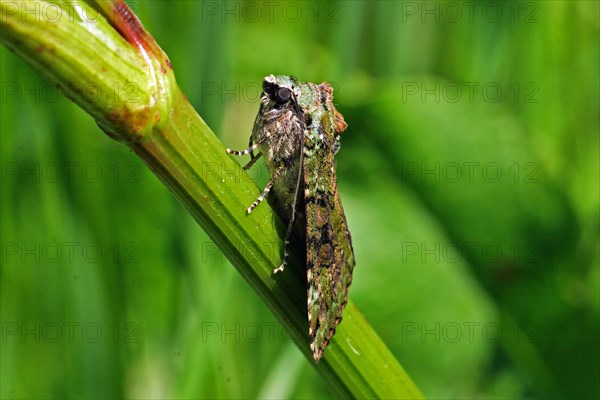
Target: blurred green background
(469, 175)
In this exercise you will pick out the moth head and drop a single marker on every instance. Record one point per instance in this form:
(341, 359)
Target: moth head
(281, 89)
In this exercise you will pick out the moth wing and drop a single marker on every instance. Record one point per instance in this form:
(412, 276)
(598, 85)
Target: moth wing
(330, 258)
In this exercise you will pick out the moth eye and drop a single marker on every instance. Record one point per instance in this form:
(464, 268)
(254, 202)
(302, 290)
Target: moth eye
(282, 95)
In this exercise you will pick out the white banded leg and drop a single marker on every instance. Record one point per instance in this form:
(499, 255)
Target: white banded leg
(250, 149)
(266, 191)
(253, 158)
(286, 244)
(243, 152)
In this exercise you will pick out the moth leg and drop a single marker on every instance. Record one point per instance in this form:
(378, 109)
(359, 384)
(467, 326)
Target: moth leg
(250, 149)
(290, 228)
(252, 160)
(243, 152)
(288, 235)
(266, 190)
(250, 145)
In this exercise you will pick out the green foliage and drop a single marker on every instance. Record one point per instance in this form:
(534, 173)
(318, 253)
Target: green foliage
(79, 252)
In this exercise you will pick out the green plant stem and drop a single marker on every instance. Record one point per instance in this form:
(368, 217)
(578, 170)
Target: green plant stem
(141, 106)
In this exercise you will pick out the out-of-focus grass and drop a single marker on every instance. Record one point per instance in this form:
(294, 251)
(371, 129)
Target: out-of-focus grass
(97, 301)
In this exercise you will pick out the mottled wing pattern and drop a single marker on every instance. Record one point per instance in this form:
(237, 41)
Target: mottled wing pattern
(330, 257)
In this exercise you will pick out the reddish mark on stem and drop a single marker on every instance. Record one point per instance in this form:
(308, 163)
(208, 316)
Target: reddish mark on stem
(128, 24)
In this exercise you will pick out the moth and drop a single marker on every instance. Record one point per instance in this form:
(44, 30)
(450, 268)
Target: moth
(297, 131)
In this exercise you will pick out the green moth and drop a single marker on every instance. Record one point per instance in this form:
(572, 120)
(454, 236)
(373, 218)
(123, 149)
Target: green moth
(297, 131)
